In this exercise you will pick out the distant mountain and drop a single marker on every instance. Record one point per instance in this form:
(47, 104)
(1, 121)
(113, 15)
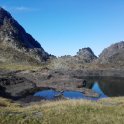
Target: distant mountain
(114, 54)
(84, 56)
(16, 45)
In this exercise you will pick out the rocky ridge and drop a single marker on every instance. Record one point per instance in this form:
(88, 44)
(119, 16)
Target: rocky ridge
(84, 56)
(114, 54)
(16, 45)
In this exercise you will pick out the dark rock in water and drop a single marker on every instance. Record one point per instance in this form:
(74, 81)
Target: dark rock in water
(59, 97)
(113, 54)
(16, 45)
(90, 93)
(84, 83)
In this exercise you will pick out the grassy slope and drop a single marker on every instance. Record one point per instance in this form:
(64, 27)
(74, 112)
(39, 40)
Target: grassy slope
(16, 67)
(109, 111)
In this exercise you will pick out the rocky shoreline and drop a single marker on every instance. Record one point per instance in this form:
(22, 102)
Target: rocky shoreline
(21, 84)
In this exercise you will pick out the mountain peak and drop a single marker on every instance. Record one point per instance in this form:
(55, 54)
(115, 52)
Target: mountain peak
(13, 36)
(4, 14)
(2, 11)
(113, 54)
(86, 50)
(86, 53)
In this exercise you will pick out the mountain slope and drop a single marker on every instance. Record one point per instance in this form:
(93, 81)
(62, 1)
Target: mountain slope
(113, 54)
(16, 45)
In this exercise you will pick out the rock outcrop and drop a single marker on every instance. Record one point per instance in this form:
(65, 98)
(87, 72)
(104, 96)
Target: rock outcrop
(113, 55)
(86, 55)
(16, 45)
(83, 57)
(15, 87)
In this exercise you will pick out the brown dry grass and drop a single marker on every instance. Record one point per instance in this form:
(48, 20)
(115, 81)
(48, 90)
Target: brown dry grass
(106, 111)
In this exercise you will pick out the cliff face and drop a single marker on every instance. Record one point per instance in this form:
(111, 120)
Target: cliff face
(113, 54)
(16, 45)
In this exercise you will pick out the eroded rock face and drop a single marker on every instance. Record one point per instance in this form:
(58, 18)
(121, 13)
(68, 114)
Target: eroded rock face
(14, 39)
(86, 54)
(113, 54)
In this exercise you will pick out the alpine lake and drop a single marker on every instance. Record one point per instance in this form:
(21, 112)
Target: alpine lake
(104, 86)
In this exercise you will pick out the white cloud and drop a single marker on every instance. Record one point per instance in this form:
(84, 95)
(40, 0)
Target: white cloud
(19, 8)
(24, 9)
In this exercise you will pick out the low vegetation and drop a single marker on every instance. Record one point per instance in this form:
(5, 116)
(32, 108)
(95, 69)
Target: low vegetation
(20, 67)
(106, 111)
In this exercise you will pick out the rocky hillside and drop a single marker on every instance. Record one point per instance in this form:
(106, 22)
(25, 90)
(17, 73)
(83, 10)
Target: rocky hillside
(83, 57)
(86, 55)
(16, 45)
(113, 55)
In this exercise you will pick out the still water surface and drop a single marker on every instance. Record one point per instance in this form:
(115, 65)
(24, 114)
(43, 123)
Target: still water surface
(106, 87)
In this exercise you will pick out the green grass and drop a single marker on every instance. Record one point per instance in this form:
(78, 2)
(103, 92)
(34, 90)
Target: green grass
(108, 111)
(20, 67)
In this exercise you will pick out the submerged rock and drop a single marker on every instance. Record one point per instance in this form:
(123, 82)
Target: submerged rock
(90, 93)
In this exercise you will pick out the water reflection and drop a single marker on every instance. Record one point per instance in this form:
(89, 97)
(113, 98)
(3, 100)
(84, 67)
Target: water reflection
(98, 90)
(51, 94)
(73, 94)
(106, 87)
(47, 94)
(112, 86)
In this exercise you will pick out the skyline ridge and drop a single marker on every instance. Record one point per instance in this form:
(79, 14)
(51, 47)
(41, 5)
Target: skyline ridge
(63, 27)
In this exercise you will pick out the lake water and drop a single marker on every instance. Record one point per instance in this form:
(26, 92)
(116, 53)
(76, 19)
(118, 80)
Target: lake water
(106, 87)
(50, 94)
(110, 86)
